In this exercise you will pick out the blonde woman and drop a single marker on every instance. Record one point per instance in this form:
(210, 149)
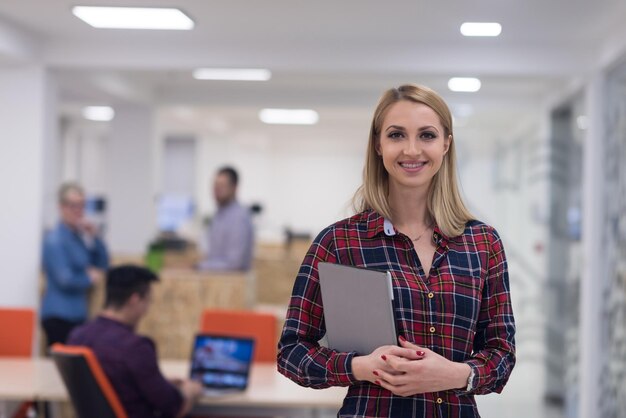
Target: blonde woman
(452, 303)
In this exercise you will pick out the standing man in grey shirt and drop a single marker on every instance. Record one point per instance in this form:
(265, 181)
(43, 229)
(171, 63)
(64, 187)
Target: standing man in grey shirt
(231, 236)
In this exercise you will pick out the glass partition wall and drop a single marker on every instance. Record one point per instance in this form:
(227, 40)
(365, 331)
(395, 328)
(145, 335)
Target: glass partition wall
(614, 282)
(568, 125)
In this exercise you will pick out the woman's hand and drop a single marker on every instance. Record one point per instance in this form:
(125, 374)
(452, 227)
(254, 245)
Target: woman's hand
(370, 366)
(406, 376)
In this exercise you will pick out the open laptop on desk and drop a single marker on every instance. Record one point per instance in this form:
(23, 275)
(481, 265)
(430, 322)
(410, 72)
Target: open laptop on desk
(221, 363)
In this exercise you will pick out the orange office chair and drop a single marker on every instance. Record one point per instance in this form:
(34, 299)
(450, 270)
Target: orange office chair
(17, 326)
(89, 388)
(16, 332)
(260, 326)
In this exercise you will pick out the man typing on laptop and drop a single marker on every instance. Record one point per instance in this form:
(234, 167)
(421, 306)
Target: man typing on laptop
(128, 359)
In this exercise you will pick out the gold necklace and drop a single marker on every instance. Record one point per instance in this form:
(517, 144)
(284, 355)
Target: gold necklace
(423, 232)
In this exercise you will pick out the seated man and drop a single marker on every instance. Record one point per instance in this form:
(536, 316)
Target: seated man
(128, 359)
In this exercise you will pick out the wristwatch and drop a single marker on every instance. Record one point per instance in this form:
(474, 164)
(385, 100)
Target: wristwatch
(470, 381)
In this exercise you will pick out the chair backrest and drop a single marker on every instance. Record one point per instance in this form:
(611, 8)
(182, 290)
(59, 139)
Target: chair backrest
(89, 388)
(16, 332)
(257, 325)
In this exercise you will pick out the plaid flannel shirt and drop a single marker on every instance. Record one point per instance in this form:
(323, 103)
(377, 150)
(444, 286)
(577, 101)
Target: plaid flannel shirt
(461, 311)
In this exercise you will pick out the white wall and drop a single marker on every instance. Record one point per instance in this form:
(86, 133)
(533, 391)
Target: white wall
(83, 157)
(25, 106)
(304, 178)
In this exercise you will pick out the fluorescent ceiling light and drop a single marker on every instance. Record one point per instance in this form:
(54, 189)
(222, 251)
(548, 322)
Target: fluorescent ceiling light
(133, 17)
(232, 74)
(481, 29)
(289, 116)
(464, 84)
(98, 113)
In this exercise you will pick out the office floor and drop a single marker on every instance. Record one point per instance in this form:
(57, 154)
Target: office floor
(495, 409)
(491, 407)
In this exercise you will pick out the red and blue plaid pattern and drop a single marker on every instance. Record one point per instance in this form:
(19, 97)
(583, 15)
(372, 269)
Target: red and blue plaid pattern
(462, 311)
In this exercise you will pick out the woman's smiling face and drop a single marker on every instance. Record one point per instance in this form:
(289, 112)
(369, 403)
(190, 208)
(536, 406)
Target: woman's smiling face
(412, 144)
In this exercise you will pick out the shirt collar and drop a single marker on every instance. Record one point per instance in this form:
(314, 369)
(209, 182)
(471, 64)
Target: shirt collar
(378, 224)
(439, 237)
(375, 223)
(390, 231)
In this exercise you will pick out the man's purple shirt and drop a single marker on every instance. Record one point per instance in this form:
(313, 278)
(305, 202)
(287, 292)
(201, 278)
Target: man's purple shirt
(130, 362)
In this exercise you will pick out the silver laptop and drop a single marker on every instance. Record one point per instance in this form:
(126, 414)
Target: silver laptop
(221, 363)
(358, 308)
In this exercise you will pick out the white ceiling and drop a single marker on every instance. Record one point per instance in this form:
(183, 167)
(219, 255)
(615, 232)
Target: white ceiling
(323, 54)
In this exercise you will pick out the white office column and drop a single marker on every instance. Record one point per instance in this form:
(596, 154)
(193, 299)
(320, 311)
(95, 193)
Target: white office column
(51, 155)
(131, 217)
(592, 349)
(27, 112)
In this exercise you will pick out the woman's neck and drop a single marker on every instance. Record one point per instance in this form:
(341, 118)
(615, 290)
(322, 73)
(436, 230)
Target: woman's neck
(409, 207)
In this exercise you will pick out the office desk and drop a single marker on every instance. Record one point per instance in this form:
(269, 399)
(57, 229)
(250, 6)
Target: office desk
(38, 379)
(267, 389)
(24, 379)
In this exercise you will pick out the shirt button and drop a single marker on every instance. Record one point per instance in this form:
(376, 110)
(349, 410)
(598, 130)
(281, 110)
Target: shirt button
(439, 400)
(432, 329)
(431, 295)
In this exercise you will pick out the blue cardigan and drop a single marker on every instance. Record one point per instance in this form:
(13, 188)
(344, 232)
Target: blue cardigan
(66, 259)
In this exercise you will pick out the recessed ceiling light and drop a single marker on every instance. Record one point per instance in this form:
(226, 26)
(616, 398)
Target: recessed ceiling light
(289, 116)
(581, 122)
(481, 29)
(133, 18)
(464, 84)
(98, 113)
(232, 74)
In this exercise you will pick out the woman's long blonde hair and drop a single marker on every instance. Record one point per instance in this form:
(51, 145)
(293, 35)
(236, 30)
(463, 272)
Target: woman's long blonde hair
(445, 204)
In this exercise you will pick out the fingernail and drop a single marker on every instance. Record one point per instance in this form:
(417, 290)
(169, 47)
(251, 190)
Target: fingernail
(377, 382)
(384, 357)
(375, 373)
(402, 338)
(420, 353)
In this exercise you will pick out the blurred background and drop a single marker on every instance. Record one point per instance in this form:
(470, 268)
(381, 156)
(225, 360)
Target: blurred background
(541, 147)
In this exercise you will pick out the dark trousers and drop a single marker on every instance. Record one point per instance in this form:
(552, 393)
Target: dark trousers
(57, 330)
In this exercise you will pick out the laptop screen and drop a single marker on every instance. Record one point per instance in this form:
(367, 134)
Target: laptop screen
(221, 362)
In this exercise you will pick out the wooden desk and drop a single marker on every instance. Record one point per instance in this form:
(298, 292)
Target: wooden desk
(24, 379)
(38, 379)
(267, 389)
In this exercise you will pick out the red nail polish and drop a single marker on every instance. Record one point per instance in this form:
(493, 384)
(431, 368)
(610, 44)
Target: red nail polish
(420, 353)
(375, 372)
(402, 338)
(384, 357)
(377, 382)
